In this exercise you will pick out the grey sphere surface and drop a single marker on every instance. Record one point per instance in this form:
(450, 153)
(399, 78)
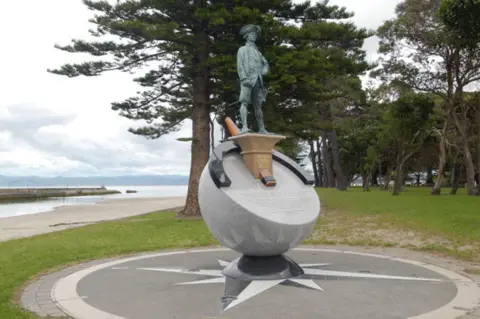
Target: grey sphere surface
(253, 219)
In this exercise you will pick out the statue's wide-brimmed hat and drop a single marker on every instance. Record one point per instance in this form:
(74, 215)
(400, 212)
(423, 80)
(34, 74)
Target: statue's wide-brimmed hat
(249, 28)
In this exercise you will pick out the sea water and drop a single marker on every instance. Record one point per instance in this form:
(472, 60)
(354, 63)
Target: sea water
(40, 206)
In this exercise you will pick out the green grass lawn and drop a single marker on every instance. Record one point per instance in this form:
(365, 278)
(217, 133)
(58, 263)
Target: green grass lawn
(454, 217)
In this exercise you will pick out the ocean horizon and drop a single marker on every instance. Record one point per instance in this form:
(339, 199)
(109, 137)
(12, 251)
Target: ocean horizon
(41, 206)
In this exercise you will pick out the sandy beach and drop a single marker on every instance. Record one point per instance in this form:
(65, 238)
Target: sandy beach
(65, 217)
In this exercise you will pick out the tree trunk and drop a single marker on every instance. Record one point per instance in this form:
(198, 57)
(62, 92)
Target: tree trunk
(375, 177)
(467, 156)
(387, 178)
(401, 160)
(341, 180)
(477, 116)
(456, 171)
(327, 162)
(470, 170)
(429, 180)
(442, 159)
(319, 164)
(366, 179)
(397, 186)
(313, 157)
(200, 149)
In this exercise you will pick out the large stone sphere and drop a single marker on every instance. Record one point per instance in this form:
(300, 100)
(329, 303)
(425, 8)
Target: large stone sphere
(253, 219)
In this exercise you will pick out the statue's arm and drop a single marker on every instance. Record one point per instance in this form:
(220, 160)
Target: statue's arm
(266, 66)
(242, 72)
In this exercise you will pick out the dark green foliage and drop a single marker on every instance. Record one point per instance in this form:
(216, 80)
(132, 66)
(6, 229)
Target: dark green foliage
(410, 113)
(359, 139)
(462, 16)
(164, 38)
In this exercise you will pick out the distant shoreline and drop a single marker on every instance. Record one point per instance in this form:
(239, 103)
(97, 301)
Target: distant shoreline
(9, 195)
(10, 181)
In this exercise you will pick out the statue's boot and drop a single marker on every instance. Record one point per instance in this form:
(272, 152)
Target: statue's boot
(259, 118)
(262, 129)
(245, 130)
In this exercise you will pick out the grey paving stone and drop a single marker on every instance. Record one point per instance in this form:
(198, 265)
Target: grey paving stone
(37, 296)
(475, 313)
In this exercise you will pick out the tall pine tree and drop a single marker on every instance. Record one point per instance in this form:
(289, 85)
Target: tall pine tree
(186, 50)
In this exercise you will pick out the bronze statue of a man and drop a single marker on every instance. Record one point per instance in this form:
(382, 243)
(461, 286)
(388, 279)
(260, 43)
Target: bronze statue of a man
(251, 66)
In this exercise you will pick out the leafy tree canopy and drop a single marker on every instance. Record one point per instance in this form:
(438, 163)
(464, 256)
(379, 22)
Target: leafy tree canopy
(463, 16)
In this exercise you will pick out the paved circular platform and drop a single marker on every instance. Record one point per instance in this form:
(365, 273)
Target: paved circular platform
(337, 284)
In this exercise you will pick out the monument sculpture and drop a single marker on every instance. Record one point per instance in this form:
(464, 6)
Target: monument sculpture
(251, 66)
(260, 204)
(254, 199)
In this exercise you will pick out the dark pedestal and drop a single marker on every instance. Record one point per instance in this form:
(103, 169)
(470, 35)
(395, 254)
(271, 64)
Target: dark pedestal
(250, 268)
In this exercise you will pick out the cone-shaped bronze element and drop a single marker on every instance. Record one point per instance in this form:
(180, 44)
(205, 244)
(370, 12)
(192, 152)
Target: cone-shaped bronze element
(257, 154)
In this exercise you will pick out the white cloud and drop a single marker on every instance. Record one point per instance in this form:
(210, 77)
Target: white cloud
(53, 125)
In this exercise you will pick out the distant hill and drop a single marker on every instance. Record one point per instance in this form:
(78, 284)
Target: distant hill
(127, 180)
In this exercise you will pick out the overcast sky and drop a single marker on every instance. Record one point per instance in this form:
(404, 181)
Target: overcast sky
(52, 125)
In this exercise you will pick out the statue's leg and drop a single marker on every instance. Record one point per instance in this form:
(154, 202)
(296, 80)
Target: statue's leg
(257, 97)
(259, 117)
(243, 116)
(245, 96)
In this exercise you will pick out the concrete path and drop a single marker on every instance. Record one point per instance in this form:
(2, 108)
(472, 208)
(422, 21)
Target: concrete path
(339, 284)
(65, 217)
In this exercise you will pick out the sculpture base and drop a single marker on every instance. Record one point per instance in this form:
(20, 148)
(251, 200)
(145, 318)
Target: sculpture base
(250, 268)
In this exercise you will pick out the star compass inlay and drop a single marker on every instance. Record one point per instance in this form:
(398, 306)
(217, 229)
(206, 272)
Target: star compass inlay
(238, 291)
